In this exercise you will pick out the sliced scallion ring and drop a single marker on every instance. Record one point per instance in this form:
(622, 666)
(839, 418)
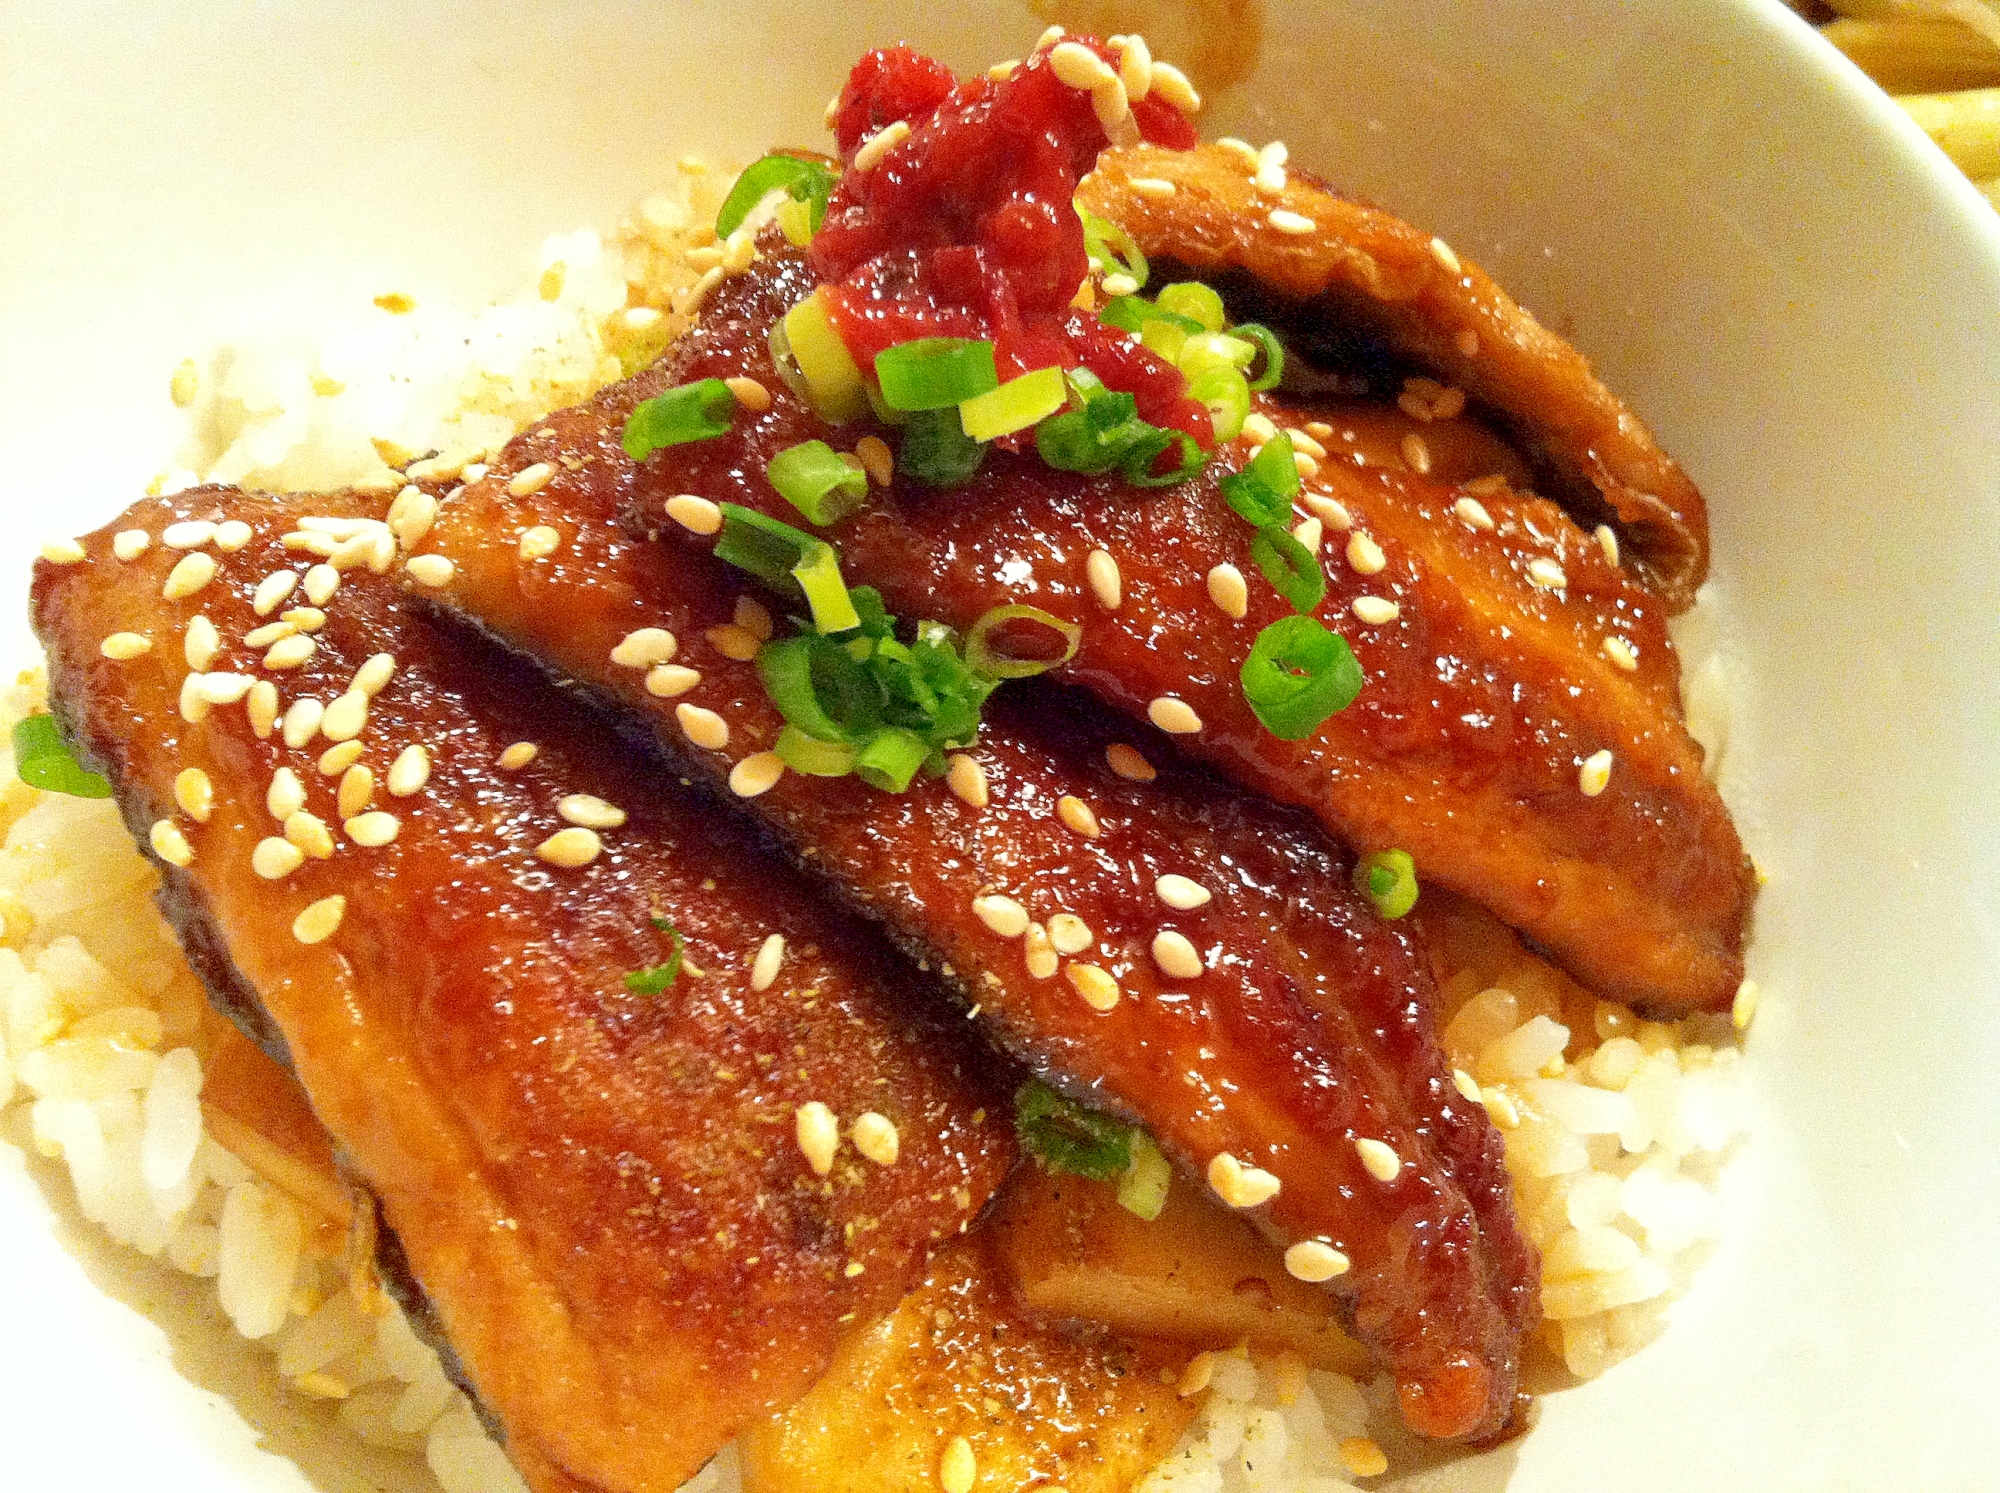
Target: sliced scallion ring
(1225, 393)
(814, 758)
(1112, 250)
(689, 412)
(1208, 350)
(1262, 491)
(1297, 675)
(806, 182)
(1274, 353)
(936, 451)
(1015, 405)
(890, 758)
(833, 379)
(1192, 299)
(934, 373)
(824, 484)
(1388, 878)
(790, 560)
(1292, 569)
(983, 657)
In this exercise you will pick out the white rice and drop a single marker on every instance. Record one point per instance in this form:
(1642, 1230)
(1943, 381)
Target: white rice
(1614, 1131)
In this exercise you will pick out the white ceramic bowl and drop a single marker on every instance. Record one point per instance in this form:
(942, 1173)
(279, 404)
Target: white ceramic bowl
(1759, 252)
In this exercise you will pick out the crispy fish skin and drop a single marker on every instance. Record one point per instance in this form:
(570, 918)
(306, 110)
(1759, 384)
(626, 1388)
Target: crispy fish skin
(1364, 268)
(599, 1189)
(1486, 692)
(1309, 1028)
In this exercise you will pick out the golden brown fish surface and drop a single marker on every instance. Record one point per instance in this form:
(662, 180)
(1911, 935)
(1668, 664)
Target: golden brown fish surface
(599, 1188)
(1033, 876)
(1366, 271)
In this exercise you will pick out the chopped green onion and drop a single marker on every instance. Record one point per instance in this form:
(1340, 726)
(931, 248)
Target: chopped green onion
(656, 980)
(1262, 491)
(1015, 405)
(936, 451)
(1297, 675)
(1214, 350)
(890, 758)
(42, 759)
(1142, 1191)
(1112, 250)
(805, 182)
(1107, 432)
(1274, 354)
(691, 412)
(798, 221)
(983, 658)
(821, 690)
(833, 379)
(1138, 467)
(1063, 1136)
(1291, 568)
(934, 373)
(814, 758)
(1225, 394)
(824, 484)
(1194, 300)
(1164, 338)
(1388, 878)
(790, 560)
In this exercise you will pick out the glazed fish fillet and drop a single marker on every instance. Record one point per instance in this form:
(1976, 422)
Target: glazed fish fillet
(1170, 949)
(605, 1192)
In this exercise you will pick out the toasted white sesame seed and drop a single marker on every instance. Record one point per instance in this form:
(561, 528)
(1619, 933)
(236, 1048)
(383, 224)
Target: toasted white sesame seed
(1113, 108)
(130, 544)
(1176, 717)
(1181, 892)
(570, 847)
(169, 844)
(818, 1135)
(121, 646)
(373, 829)
(879, 144)
(1375, 610)
(321, 582)
(409, 772)
(1607, 541)
(704, 727)
(195, 570)
(412, 516)
(752, 617)
(194, 793)
(770, 959)
(1176, 955)
(1416, 455)
(1243, 150)
(1105, 582)
(305, 619)
(1286, 221)
(1079, 816)
(1380, 1159)
(1307, 531)
(302, 722)
(223, 689)
(357, 787)
(200, 643)
(966, 778)
(1127, 762)
(1467, 1086)
(958, 1469)
(1312, 1261)
(1271, 160)
(530, 480)
(319, 922)
(275, 859)
(430, 570)
(1135, 65)
(1078, 67)
(308, 833)
(190, 534)
(232, 535)
(1442, 253)
(374, 674)
(1545, 573)
(1099, 991)
(1039, 952)
(1472, 513)
(1070, 934)
(1258, 427)
(1172, 85)
(286, 795)
(539, 542)
(665, 681)
(1743, 1010)
(346, 717)
(733, 642)
(337, 758)
(1500, 1109)
(272, 591)
(589, 811)
(1364, 554)
(1329, 511)
(1002, 915)
(1595, 774)
(696, 515)
(1238, 1185)
(1363, 1457)
(1226, 588)
(1302, 441)
(1000, 72)
(876, 459)
(752, 395)
(644, 648)
(757, 773)
(269, 633)
(289, 652)
(1153, 188)
(875, 1137)
(518, 756)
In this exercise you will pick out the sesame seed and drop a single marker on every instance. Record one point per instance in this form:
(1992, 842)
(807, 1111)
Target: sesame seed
(1172, 85)
(1257, 425)
(1242, 149)
(191, 534)
(958, 1468)
(336, 759)
(1491, 485)
(275, 859)
(1329, 511)
(876, 1138)
(305, 619)
(1362, 1457)
(876, 459)
(518, 756)
(733, 642)
(1099, 991)
(665, 681)
(1545, 573)
(879, 144)
(195, 570)
(272, 590)
(130, 544)
(411, 516)
(194, 793)
(1380, 1159)
(222, 689)
(1176, 717)
(1176, 955)
(430, 570)
(302, 722)
(530, 480)
(1307, 467)
(346, 717)
(372, 829)
(1181, 893)
(644, 648)
(286, 795)
(966, 778)
(289, 652)
(1135, 65)
(319, 921)
(1286, 221)
(1238, 1185)
(1199, 1373)
(539, 542)
(1001, 915)
(321, 582)
(1307, 531)
(704, 727)
(1472, 513)
(1620, 653)
(232, 535)
(1105, 582)
(770, 959)
(357, 787)
(1113, 108)
(755, 774)
(374, 675)
(696, 515)
(1312, 1261)
(570, 847)
(1040, 952)
(1070, 934)
(590, 812)
(1607, 541)
(1079, 816)
(308, 833)
(1271, 160)
(200, 643)
(753, 618)
(752, 395)
(1375, 610)
(1078, 67)
(1319, 430)
(1595, 774)
(1365, 555)
(1442, 253)
(1127, 762)
(1000, 72)
(1153, 188)
(818, 1135)
(1416, 455)
(269, 633)
(1227, 589)
(1466, 1084)
(1500, 1108)
(1743, 1010)
(169, 844)
(121, 646)
(409, 772)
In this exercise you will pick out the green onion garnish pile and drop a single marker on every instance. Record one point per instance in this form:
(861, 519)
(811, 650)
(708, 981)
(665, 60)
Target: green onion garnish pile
(42, 759)
(1063, 1136)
